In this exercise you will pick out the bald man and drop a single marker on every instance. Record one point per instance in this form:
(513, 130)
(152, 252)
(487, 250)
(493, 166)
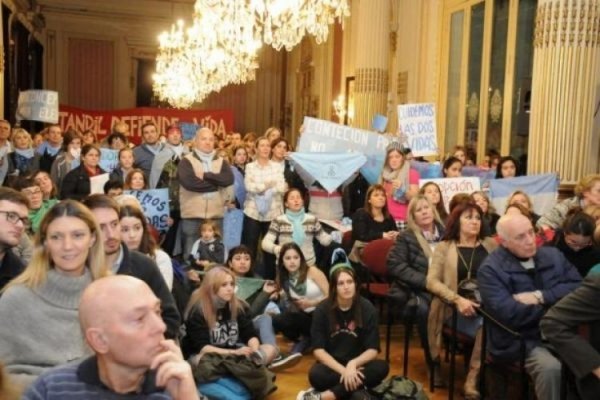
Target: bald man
(121, 321)
(518, 283)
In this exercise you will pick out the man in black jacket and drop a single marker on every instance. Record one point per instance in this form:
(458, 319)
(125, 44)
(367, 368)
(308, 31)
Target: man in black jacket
(133, 263)
(13, 216)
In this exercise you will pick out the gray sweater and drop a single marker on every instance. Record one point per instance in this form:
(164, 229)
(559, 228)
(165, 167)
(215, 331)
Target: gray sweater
(40, 326)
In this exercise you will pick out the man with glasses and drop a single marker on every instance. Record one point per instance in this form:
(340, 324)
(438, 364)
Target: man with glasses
(38, 207)
(13, 222)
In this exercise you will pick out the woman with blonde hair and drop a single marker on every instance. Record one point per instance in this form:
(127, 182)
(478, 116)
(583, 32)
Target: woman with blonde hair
(42, 303)
(219, 329)
(22, 161)
(522, 198)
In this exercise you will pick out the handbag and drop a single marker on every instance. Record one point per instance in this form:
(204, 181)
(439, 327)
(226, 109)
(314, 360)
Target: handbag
(469, 289)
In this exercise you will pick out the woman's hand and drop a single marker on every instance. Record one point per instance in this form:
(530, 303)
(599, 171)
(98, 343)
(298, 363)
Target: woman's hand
(303, 303)
(396, 184)
(352, 377)
(243, 351)
(466, 307)
(390, 235)
(193, 276)
(269, 287)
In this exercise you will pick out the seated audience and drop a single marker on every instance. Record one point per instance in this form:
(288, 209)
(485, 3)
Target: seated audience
(14, 207)
(303, 287)
(518, 283)
(49, 189)
(408, 263)
(587, 192)
(76, 185)
(38, 207)
(42, 302)
(507, 168)
(208, 250)
(452, 168)
(68, 159)
(345, 336)
(49, 148)
(23, 160)
(120, 320)
(432, 191)
(456, 260)
(542, 236)
(490, 217)
(522, 198)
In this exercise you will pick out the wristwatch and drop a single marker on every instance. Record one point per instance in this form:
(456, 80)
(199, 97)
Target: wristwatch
(539, 296)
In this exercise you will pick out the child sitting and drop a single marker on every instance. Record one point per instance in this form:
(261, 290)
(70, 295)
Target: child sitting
(206, 251)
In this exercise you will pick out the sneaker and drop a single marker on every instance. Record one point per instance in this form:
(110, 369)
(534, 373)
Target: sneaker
(258, 358)
(284, 361)
(310, 394)
(301, 346)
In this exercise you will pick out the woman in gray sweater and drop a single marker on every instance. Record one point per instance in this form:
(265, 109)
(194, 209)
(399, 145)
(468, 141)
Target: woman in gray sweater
(38, 309)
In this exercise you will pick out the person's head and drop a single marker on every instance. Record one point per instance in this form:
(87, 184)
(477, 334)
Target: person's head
(90, 155)
(72, 143)
(376, 200)
(483, 201)
(121, 321)
(239, 155)
(150, 133)
(205, 140)
(121, 127)
(460, 153)
(279, 148)
(235, 139)
(457, 199)
(432, 191)
(67, 241)
(218, 286)
(452, 168)
(263, 147)
(588, 189)
(37, 139)
(88, 137)
(239, 260)
(506, 168)
(4, 129)
(174, 135)
(134, 230)
(421, 214)
(520, 197)
(117, 141)
(14, 210)
(46, 184)
(54, 136)
(209, 230)
(464, 222)
(21, 139)
(136, 180)
(517, 235)
(343, 283)
(291, 262)
(272, 133)
(126, 158)
(293, 200)
(578, 229)
(394, 157)
(106, 210)
(250, 138)
(31, 189)
(113, 187)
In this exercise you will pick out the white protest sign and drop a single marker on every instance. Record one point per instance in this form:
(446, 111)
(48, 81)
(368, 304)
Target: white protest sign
(38, 105)
(109, 159)
(97, 183)
(155, 204)
(320, 136)
(451, 186)
(417, 123)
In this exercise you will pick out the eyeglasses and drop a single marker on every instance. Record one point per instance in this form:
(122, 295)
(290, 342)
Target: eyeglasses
(13, 218)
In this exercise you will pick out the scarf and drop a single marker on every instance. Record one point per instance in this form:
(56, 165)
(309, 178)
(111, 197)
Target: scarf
(35, 216)
(154, 149)
(25, 153)
(298, 287)
(23, 159)
(206, 158)
(297, 218)
(178, 150)
(402, 174)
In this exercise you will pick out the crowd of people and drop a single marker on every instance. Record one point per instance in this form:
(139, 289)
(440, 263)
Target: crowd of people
(100, 303)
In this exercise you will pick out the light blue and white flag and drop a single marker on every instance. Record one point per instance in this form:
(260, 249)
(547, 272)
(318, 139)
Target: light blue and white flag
(543, 190)
(329, 169)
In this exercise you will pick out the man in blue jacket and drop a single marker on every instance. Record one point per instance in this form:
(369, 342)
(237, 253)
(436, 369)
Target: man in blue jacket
(518, 283)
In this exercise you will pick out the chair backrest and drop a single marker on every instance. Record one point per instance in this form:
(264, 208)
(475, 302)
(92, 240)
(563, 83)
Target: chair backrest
(374, 256)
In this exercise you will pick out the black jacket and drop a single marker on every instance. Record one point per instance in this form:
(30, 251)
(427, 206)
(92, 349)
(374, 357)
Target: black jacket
(76, 184)
(10, 267)
(143, 267)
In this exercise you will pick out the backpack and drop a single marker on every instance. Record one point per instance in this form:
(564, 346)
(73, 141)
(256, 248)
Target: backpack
(399, 387)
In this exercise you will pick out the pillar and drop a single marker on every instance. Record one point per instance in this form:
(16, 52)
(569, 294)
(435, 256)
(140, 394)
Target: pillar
(566, 89)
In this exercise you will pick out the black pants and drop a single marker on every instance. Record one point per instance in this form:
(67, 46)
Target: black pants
(252, 233)
(323, 378)
(293, 324)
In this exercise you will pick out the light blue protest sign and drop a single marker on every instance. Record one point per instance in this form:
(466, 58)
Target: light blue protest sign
(417, 123)
(38, 105)
(109, 159)
(320, 136)
(155, 204)
(379, 123)
(233, 221)
(188, 130)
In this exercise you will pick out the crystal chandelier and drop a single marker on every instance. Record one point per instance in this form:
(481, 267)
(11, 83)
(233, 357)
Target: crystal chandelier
(221, 45)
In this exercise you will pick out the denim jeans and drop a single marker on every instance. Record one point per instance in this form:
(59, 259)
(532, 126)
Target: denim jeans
(264, 325)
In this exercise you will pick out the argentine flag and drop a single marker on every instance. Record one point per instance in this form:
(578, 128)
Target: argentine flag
(542, 189)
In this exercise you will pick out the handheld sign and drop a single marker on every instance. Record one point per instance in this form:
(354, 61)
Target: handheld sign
(379, 123)
(38, 105)
(451, 186)
(109, 159)
(417, 122)
(155, 204)
(97, 183)
(188, 130)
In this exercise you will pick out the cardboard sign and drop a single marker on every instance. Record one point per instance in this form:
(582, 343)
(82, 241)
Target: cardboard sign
(38, 105)
(155, 204)
(417, 122)
(451, 186)
(109, 159)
